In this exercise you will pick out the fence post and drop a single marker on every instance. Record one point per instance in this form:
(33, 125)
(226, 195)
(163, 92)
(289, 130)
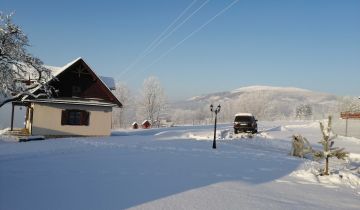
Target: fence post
(346, 127)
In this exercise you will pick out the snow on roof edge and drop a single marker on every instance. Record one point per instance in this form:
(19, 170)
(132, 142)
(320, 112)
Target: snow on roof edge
(66, 66)
(244, 114)
(108, 81)
(74, 101)
(59, 70)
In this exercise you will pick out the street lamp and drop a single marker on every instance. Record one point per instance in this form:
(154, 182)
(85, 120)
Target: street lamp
(216, 111)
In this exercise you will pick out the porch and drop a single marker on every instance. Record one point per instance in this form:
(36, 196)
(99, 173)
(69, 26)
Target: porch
(22, 135)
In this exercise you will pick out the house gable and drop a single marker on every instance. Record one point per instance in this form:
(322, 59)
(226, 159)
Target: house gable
(78, 80)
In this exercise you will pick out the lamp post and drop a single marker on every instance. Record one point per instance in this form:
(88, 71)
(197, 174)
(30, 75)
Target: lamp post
(216, 111)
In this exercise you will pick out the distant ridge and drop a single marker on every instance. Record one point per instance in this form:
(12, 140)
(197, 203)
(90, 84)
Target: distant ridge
(268, 102)
(267, 88)
(292, 91)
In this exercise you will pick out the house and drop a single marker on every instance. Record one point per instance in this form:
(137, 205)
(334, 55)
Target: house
(146, 124)
(81, 105)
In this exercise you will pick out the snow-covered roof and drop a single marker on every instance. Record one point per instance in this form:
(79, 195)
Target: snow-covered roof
(134, 123)
(244, 114)
(109, 82)
(55, 70)
(58, 70)
(79, 101)
(145, 122)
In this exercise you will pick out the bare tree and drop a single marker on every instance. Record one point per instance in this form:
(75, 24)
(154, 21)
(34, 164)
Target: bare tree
(20, 72)
(182, 117)
(227, 111)
(201, 114)
(123, 117)
(256, 103)
(153, 100)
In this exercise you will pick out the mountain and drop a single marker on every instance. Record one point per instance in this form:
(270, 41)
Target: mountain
(267, 102)
(279, 93)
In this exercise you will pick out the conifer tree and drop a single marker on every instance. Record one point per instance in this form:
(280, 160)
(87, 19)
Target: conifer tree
(328, 150)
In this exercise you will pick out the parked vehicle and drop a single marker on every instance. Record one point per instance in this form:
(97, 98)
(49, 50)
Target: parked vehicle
(245, 122)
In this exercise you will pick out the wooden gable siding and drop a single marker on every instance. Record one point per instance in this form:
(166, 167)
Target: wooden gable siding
(79, 75)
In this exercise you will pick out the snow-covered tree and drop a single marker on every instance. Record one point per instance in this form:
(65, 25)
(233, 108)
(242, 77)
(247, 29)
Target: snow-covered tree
(349, 104)
(304, 111)
(227, 111)
(328, 149)
(256, 103)
(20, 72)
(200, 115)
(153, 100)
(183, 116)
(125, 116)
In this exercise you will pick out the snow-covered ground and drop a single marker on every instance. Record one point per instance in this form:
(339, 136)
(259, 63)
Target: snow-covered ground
(353, 128)
(176, 168)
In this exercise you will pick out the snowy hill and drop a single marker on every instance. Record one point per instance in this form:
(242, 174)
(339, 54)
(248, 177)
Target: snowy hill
(268, 88)
(266, 101)
(282, 93)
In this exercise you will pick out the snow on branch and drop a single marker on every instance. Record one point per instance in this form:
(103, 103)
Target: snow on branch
(328, 150)
(20, 72)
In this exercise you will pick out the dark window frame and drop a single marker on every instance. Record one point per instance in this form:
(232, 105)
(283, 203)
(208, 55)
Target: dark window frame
(244, 119)
(75, 117)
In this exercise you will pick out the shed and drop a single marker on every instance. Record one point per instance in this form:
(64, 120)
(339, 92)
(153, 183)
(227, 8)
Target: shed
(146, 124)
(135, 125)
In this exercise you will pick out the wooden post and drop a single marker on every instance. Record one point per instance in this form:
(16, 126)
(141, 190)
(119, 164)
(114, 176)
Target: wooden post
(346, 127)
(12, 116)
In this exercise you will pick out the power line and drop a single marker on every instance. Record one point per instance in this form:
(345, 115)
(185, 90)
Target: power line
(163, 33)
(150, 46)
(178, 26)
(190, 35)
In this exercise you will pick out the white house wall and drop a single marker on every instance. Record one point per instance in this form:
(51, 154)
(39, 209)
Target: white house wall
(47, 120)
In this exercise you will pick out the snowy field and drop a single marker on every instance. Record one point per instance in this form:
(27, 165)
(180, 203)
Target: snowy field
(339, 127)
(176, 168)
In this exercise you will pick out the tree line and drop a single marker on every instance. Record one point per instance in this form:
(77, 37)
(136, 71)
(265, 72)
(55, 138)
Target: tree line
(151, 104)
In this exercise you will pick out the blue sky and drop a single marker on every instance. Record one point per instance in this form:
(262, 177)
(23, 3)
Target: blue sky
(312, 44)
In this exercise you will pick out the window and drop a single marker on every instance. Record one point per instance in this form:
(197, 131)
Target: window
(244, 119)
(75, 117)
